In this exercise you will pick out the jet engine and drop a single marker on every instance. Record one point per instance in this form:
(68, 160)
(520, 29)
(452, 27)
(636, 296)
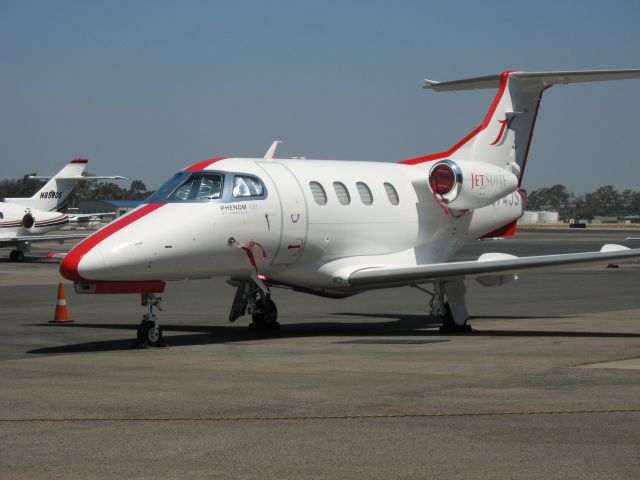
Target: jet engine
(470, 184)
(28, 221)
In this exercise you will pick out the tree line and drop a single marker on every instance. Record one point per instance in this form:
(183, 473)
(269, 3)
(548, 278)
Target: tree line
(26, 187)
(604, 202)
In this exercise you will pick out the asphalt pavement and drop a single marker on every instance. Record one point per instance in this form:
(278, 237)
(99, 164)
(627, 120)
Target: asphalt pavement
(547, 385)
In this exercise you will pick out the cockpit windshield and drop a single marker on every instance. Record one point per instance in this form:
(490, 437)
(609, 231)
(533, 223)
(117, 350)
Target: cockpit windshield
(200, 186)
(187, 187)
(207, 186)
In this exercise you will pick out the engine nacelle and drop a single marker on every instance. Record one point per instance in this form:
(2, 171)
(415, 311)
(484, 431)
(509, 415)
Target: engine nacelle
(470, 184)
(28, 221)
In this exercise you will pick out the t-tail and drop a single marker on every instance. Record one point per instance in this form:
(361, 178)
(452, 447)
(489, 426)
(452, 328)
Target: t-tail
(493, 156)
(56, 193)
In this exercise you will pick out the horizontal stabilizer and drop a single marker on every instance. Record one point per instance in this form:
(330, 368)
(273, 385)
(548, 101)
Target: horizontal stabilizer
(544, 78)
(79, 177)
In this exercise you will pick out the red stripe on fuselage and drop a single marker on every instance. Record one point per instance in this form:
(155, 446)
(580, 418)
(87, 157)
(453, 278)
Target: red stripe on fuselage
(69, 265)
(507, 230)
(203, 165)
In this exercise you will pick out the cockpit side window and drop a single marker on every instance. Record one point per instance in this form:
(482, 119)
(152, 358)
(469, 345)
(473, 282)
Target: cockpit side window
(244, 186)
(199, 186)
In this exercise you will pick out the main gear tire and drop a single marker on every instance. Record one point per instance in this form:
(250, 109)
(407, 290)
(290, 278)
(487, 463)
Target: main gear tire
(265, 315)
(449, 325)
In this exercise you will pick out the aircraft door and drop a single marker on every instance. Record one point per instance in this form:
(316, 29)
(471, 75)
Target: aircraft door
(293, 210)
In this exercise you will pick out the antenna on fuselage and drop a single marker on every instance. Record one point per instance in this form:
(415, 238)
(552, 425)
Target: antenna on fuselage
(272, 149)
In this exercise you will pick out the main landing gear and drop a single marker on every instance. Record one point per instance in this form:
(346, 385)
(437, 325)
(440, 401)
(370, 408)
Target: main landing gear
(254, 298)
(453, 311)
(16, 256)
(150, 331)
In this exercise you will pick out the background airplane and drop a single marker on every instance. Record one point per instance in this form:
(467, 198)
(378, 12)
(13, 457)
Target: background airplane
(27, 220)
(337, 228)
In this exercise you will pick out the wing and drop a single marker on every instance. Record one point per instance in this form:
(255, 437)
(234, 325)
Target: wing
(75, 216)
(40, 238)
(490, 263)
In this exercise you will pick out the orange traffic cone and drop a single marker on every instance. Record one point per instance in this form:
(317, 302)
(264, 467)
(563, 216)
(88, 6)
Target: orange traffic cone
(62, 313)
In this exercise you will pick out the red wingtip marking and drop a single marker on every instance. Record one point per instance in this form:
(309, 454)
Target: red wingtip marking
(203, 165)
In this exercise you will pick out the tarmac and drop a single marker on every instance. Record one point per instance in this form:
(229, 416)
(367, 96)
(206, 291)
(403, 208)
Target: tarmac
(547, 385)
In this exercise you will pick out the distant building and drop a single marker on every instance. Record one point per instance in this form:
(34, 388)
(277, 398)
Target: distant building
(104, 206)
(599, 219)
(542, 217)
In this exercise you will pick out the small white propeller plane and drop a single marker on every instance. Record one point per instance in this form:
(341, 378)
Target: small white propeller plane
(337, 228)
(27, 220)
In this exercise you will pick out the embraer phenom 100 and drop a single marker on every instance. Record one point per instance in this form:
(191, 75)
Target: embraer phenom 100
(337, 228)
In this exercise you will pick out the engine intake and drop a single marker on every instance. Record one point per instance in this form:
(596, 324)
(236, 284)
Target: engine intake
(470, 184)
(28, 221)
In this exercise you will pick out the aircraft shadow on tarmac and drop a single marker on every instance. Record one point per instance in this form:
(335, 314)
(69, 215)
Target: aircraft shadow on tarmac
(399, 326)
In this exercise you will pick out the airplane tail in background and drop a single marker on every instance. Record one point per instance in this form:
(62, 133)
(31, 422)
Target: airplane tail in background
(504, 137)
(56, 193)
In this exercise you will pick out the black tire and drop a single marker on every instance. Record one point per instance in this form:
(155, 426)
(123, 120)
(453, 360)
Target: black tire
(266, 314)
(449, 325)
(149, 334)
(12, 255)
(19, 256)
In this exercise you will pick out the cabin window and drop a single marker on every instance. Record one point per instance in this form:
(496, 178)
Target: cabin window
(392, 194)
(365, 193)
(319, 195)
(244, 186)
(342, 193)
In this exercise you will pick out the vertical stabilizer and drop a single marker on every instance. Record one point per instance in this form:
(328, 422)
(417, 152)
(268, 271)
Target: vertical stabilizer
(55, 194)
(504, 136)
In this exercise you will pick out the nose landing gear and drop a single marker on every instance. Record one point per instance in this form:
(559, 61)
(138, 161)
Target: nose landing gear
(150, 331)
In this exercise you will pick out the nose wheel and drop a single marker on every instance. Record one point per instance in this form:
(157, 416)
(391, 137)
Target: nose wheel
(150, 332)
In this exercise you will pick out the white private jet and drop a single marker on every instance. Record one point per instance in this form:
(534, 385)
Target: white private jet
(27, 220)
(337, 228)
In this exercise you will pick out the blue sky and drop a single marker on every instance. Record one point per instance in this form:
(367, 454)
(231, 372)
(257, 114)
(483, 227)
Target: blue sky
(143, 88)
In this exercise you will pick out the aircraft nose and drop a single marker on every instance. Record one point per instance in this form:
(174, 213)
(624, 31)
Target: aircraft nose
(85, 261)
(89, 262)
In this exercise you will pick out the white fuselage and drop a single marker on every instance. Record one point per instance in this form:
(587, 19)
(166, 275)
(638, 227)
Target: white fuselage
(295, 237)
(20, 220)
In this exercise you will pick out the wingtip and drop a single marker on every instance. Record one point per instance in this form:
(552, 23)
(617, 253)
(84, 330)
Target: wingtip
(429, 83)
